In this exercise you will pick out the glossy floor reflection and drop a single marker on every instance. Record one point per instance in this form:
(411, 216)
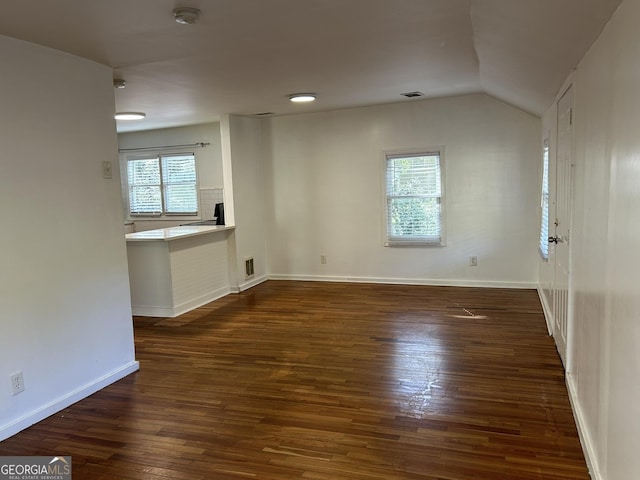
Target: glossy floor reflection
(327, 381)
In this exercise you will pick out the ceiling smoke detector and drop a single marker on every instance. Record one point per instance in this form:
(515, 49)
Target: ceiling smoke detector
(186, 15)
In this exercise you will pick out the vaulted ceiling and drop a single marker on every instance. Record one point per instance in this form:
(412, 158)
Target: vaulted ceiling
(247, 56)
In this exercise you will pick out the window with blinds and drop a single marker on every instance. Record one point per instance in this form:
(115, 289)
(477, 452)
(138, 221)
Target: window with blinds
(544, 204)
(162, 185)
(414, 199)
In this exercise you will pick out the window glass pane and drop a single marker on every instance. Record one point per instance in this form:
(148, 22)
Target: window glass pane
(414, 175)
(414, 191)
(414, 217)
(144, 171)
(144, 186)
(181, 199)
(145, 199)
(179, 178)
(179, 169)
(544, 203)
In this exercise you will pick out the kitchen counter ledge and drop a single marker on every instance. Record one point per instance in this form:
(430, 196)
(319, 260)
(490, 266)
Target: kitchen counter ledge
(174, 270)
(174, 233)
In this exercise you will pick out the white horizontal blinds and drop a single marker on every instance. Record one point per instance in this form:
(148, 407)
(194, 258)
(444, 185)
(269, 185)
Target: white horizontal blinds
(162, 185)
(179, 181)
(145, 193)
(544, 204)
(414, 192)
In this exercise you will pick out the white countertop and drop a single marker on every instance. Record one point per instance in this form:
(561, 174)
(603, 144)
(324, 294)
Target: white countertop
(174, 233)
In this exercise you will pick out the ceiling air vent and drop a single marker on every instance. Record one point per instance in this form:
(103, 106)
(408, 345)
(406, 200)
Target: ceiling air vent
(412, 94)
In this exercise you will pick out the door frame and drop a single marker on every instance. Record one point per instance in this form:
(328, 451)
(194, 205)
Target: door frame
(563, 346)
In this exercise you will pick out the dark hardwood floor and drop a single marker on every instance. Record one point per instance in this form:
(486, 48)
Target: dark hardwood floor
(328, 381)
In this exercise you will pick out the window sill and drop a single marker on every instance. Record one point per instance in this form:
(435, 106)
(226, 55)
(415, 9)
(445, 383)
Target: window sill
(413, 243)
(164, 218)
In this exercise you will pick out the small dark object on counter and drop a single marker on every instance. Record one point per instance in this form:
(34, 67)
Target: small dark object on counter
(219, 213)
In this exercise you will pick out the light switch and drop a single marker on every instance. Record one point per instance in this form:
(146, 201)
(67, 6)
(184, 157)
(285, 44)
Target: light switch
(106, 170)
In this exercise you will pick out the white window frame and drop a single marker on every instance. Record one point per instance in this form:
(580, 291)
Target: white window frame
(543, 246)
(162, 215)
(414, 241)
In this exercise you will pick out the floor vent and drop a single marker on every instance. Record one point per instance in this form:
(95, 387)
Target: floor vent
(248, 267)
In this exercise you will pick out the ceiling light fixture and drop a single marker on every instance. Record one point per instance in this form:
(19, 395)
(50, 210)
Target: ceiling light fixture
(119, 83)
(130, 115)
(302, 97)
(186, 15)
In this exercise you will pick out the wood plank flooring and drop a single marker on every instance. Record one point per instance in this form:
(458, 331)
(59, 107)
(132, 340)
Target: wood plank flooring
(330, 381)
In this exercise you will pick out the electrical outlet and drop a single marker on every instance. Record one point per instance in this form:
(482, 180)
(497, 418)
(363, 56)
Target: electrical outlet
(17, 383)
(473, 261)
(323, 259)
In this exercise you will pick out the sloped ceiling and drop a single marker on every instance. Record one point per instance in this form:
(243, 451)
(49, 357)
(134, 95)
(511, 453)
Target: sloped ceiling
(526, 49)
(247, 56)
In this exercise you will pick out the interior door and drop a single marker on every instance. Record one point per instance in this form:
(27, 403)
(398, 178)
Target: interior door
(560, 241)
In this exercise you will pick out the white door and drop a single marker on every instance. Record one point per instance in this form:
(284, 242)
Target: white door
(560, 241)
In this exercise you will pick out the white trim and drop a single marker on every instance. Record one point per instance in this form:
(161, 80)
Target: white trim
(546, 309)
(405, 281)
(172, 312)
(252, 283)
(415, 243)
(39, 414)
(566, 85)
(144, 311)
(202, 300)
(588, 447)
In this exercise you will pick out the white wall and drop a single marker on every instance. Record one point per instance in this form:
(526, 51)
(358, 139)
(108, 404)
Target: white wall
(209, 162)
(66, 314)
(327, 197)
(605, 358)
(243, 152)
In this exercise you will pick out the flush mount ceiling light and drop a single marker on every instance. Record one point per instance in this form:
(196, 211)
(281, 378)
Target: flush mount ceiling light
(130, 115)
(186, 15)
(302, 97)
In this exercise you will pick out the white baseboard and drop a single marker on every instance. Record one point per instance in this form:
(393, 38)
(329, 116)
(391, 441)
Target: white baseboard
(39, 414)
(172, 312)
(546, 309)
(405, 281)
(588, 447)
(252, 283)
(143, 311)
(199, 301)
